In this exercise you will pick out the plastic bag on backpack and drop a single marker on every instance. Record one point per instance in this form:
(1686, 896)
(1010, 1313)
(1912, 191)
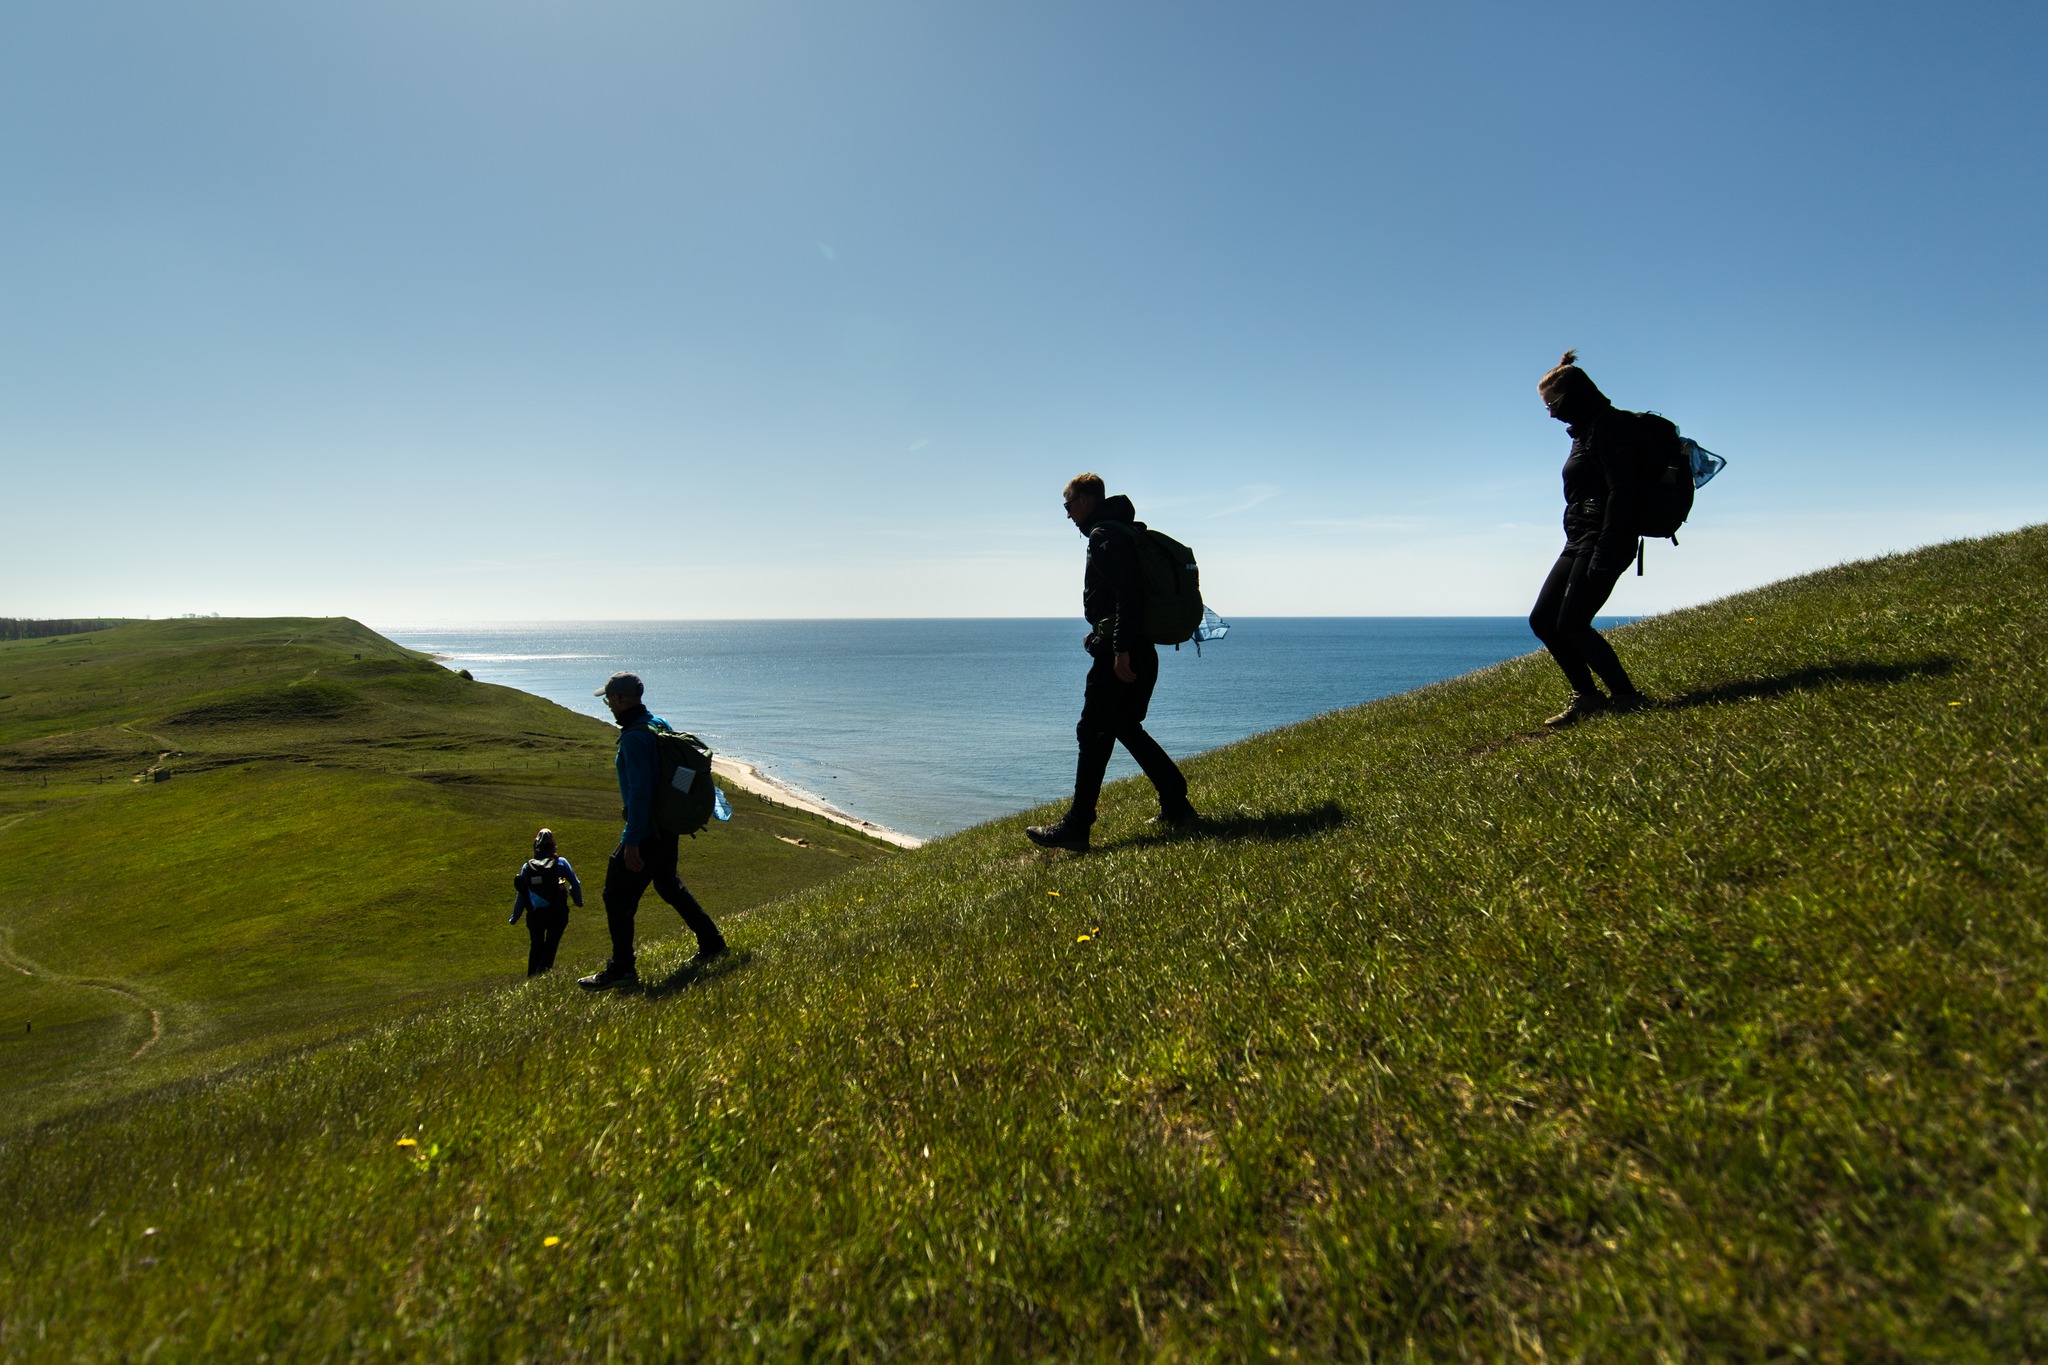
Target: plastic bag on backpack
(1705, 463)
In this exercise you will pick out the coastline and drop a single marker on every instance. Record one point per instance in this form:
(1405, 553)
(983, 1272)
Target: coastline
(749, 778)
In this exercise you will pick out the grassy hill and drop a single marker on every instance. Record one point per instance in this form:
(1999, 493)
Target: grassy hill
(1715, 1031)
(334, 845)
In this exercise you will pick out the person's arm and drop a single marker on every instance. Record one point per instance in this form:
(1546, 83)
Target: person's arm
(518, 895)
(575, 886)
(637, 780)
(1127, 590)
(1617, 542)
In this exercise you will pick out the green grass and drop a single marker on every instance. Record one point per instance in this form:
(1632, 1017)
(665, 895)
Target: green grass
(334, 847)
(1712, 1032)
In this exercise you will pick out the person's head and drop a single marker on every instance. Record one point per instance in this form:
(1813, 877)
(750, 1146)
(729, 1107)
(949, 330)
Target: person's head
(1569, 393)
(621, 692)
(1082, 495)
(544, 844)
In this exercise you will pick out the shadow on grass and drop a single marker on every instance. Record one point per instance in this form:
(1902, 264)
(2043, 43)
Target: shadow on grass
(1865, 672)
(1264, 827)
(693, 973)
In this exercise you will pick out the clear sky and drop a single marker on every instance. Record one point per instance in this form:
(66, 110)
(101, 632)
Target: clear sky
(423, 311)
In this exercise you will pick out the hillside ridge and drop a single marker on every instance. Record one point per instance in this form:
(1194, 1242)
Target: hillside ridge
(239, 837)
(1712, 1031)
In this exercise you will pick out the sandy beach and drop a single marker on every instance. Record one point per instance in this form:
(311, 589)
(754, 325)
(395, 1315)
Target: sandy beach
(748, 778)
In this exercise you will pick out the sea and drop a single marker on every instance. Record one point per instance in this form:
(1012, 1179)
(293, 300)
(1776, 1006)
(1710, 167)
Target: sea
(930, 726)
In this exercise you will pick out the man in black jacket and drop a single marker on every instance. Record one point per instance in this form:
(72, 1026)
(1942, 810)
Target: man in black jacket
(1124, 671)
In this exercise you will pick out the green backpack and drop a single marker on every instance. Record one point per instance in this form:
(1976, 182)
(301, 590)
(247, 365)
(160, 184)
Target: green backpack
(1173, 585)
(683, 792)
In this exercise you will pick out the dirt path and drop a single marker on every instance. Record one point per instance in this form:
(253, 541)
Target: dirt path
(156, 1017)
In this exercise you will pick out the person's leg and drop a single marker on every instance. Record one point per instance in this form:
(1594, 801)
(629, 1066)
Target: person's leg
(554, 921)
(1134, 700)
(1545, 622)
(1095, 736)
(1592, 583)
(1095, 733)
(623, 888)
(536, 939)
(661, 853)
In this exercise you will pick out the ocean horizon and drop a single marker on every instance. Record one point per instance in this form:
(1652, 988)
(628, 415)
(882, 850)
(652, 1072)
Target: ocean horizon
(929, 726)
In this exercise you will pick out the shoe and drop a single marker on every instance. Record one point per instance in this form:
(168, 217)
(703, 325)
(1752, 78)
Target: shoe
(611, 976)
(1073, 838)
(708, 953)
(1185, 817)
(1583, 704)
(1630, 700)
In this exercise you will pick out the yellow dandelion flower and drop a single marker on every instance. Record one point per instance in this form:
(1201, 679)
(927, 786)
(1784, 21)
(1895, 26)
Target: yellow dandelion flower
(550, 1241)
(1052, 893)
(1082, 939)
(407, 1142)
(1955, 703)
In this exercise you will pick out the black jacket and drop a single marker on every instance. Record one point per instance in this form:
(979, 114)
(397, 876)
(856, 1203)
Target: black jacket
(1112, 589)
(1599, 492)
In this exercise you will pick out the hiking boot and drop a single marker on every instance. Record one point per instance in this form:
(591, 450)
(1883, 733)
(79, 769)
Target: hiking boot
(1584, 704)
(1066, 835)
(1630, 700)
(1181, 817)
(611, 976)
(708, 953)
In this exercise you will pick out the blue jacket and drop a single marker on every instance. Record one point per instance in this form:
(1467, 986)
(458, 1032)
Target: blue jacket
(526, 893)
(639, 769)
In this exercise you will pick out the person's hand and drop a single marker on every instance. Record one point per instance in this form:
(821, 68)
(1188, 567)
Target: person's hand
(1124, 671)
(631, 854)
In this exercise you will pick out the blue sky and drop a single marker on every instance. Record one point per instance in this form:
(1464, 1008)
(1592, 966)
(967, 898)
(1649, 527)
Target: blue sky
(425, 311)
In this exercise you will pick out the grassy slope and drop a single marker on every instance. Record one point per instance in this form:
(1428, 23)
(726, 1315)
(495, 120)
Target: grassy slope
(336, 845)
(1698, 1033)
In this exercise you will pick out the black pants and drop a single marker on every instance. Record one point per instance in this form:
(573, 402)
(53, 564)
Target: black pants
(543, 935)
(1578, 586)
(1113, 713)
(623, 888)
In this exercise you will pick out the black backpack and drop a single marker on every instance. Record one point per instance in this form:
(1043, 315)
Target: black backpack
(1173, 585)
(683, 792)
(543, 877)
(1658, 472)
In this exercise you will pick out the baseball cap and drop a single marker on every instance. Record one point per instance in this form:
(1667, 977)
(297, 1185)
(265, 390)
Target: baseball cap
(621, 684)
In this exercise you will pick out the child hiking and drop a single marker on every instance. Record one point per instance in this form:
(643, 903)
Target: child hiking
(541, 890)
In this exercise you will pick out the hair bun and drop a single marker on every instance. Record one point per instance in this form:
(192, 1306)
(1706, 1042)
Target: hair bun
(1570, 357)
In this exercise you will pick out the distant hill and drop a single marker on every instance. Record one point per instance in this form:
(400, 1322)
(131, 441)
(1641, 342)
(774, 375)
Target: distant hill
(324, 838)
(1716, 1031)
(15, 628)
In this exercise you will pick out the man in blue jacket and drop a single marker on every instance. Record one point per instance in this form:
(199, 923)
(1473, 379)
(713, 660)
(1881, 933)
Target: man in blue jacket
(645, 856)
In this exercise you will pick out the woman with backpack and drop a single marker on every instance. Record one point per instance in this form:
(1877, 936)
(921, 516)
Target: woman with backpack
(541, 890)
(1600, 530)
